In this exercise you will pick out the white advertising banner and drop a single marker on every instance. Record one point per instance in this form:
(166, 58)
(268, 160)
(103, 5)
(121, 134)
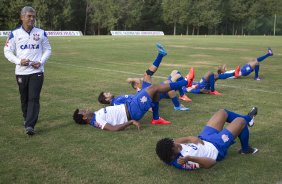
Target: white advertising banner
(64, 33)
(4, 33)
(137, 33)
(52, 33)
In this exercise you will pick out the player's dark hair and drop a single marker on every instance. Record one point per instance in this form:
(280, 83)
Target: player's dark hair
(220, 69)
(164, 149)
(102, 98)
(78, 118)
(132, 83)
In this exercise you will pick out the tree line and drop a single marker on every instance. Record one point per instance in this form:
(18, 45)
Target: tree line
(175, 17)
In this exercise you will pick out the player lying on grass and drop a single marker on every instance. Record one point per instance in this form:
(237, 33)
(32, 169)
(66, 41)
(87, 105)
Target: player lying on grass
(207, 83)
(108, 98)
(211, 145)
(140, 83)
(137, 83)
(250, 66)
(115, 118)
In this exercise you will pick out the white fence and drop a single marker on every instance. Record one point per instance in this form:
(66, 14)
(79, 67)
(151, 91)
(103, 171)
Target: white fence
(52, 33)
(137, 33)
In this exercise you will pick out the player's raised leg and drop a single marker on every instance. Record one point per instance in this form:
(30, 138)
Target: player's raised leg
(156, 63)
(260, 59)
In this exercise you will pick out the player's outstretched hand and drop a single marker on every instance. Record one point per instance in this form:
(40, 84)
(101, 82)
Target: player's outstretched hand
(136, 123)
(181, 160)
(196, 140)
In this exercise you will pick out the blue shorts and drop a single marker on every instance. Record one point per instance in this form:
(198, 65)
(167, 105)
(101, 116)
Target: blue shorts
(204, 84)
(246, 70)
(139, 105)
(222, 140)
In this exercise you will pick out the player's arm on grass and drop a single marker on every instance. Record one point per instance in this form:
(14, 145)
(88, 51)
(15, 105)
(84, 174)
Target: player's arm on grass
(110, 127)
(203, 162)
(189, 139)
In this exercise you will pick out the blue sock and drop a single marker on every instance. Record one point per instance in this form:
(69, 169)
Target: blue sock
(158, 60)
(225, 75)
(184, 90)
(211, 81)
(176, 85)
(261, 58)
(155, 109)
(233, 115)
(244, 138)
(256, 71)
(175, 101)
(181, 92)
(244, 135)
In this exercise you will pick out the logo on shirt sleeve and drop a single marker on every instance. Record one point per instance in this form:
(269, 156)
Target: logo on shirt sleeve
(143, 99)
(225, 138)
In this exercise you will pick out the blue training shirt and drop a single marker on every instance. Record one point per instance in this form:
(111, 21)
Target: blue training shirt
(121, 99)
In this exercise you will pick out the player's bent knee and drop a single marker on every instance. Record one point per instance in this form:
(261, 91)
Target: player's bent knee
(174, 72)
(223, 111)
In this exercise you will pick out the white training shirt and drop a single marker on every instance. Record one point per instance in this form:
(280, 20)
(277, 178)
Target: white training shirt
(199, 150)
(114, 115)
(23, 45)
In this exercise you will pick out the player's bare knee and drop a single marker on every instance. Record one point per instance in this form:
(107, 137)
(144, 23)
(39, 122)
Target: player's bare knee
(174, 72)
(175, 77)
(223, 113)
(240, 121)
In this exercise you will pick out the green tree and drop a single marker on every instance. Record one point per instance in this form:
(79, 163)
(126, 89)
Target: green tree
(104, 14)
(239, 13)
(130, 13)
(196, 16)
(13, 12)
(211, 14)
(4, 14)
(274, 9)
(173, 12)
(151, 13)
(53, 15)
(186, 14)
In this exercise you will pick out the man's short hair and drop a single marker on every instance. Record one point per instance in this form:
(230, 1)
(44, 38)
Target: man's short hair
(27, 9)
(102, 98)
(164, 149)
(78, 118)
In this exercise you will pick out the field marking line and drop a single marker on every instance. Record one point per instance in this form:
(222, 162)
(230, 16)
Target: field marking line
(160, 77)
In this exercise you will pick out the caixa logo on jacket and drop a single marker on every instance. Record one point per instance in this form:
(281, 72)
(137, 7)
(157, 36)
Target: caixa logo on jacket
(29, 46)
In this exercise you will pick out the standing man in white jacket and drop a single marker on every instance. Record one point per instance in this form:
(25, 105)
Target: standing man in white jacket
(29, 49)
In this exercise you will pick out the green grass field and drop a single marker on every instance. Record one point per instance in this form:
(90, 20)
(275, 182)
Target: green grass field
(80, 68)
